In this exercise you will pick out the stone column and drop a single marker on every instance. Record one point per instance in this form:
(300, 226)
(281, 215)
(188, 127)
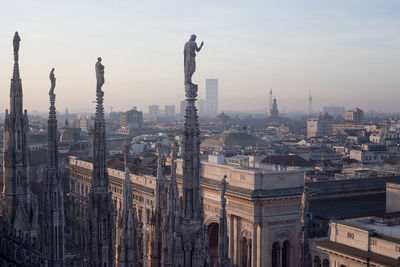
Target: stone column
(254, 249)
(249, 250)
(279, 255)
(258, 260)
(235, 241)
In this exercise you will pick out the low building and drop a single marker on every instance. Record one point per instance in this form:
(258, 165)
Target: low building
(362, 242)
(356, 115)
(131, 119)
(320, 126)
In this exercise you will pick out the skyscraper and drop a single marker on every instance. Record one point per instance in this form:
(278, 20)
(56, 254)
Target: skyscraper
(212, 97)
(154, 111)
(169, 110)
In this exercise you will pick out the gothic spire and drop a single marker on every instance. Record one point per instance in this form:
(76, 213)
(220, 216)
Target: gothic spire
(223, 229)
(304, 228)
(52, 153)
(53, 204)
(15, 172)
(101, 242)
(159, 214)
(127, 224)
(196, 249)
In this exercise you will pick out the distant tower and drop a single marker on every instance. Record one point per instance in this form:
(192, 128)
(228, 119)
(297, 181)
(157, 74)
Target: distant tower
(66, 118)
(274, 110)
(270, 101)
(309, 104)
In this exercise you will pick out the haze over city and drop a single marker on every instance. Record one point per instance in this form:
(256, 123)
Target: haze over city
(345, 52)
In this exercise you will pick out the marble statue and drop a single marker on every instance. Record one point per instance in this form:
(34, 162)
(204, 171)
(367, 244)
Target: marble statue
(16, 41)
(99, 74)
(52, 80)
(189, 58)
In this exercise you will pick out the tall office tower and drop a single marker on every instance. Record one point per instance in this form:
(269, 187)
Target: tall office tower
(101, 219)
(16, 193)
(183, 107)
(53, 202)
(212, 97)
(154, 111)
(169, 110)
(309, 104)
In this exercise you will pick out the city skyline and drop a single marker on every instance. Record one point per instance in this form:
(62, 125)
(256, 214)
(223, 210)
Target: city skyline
(345, 53)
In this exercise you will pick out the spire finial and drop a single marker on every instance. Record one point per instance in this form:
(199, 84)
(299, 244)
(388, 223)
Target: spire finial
(16, 42)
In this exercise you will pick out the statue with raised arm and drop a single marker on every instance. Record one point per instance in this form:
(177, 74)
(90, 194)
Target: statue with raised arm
(52, 80)
(99, 74)
(189, 58)
(16, 41)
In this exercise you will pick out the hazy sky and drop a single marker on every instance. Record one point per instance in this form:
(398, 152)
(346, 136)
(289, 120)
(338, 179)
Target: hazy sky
(346, 52)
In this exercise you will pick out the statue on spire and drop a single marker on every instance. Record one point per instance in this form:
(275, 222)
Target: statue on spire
(99, 74)
(53, 81)
(189, 57)
(16, 41)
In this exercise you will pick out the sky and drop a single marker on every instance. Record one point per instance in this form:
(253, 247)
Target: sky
(347, 53)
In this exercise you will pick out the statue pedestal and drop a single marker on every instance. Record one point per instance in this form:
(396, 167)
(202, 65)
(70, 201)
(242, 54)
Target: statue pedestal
(191, 91)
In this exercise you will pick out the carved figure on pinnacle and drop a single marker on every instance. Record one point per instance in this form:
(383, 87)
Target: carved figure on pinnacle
(99, 74)
(189, 58)
(53, 81)
(16, 42)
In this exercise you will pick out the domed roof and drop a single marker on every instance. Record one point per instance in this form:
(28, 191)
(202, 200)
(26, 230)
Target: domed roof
(232, 138)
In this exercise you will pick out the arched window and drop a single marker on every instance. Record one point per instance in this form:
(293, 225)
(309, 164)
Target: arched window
(325, 263)
(275, 254)
(213, 231)
(317, 261)
(286, 253)
(245, 251)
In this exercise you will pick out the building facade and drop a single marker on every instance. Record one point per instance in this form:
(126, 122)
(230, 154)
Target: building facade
(131, 119)
(356, 115)
(263, 208)
(320, 126)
